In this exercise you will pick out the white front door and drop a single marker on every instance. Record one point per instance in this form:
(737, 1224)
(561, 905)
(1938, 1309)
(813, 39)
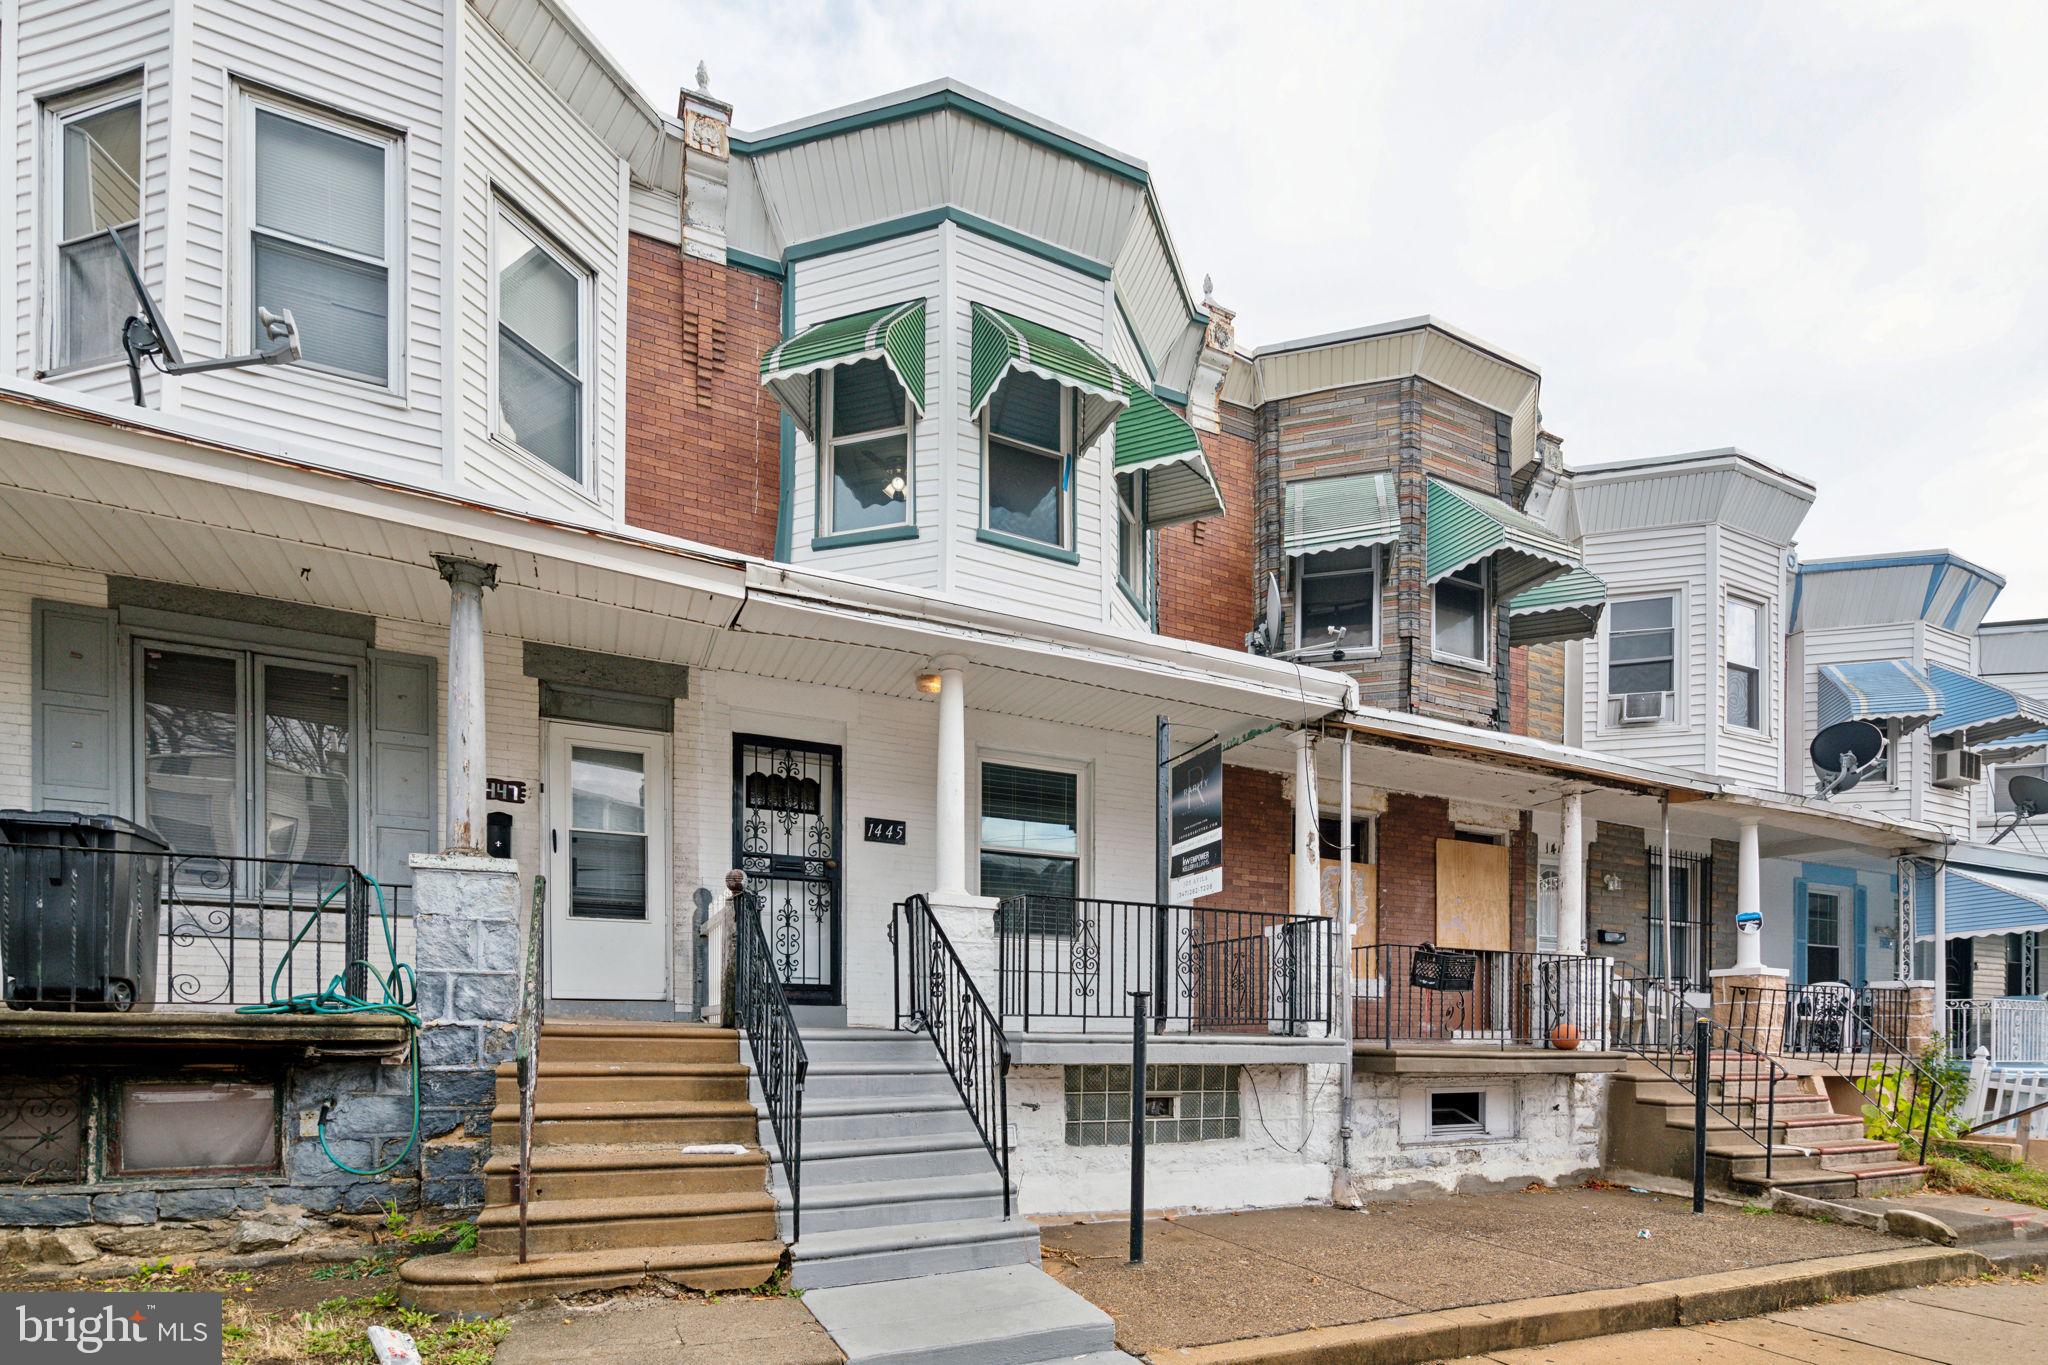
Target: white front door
(607, 863)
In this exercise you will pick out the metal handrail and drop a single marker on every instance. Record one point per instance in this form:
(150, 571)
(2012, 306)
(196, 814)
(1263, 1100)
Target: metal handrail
(1418, 992)
(526, 1056)
(945, 1003)
(761, 1010)
(1741, 1081)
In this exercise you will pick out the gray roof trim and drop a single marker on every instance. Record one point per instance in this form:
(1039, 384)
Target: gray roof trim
(1381, 329)
(1684, 460)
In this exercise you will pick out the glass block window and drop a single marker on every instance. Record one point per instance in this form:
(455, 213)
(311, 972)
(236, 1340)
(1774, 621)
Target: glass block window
(1182, 1104)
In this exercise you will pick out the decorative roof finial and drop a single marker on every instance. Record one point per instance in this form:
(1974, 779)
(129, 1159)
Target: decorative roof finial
(703, 78)
(1208, 286)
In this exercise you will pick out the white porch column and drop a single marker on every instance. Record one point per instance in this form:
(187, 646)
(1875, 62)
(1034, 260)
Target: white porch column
(1937, 970)
(1307, 879)
(1571, 879)
(467, 580)
(950, 833)
(1749, 901)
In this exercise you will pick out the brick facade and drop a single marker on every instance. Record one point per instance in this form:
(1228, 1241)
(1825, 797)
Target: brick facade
(1207, 587)
(1536, 691)
(1623, 852)
(1408, 834)
(703, 436)
(1258, 832)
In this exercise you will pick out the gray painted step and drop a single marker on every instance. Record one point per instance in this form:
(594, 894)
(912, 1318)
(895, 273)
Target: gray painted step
(886, 1203)
(871, 1255)
(889, 1158)
(1015, 1315)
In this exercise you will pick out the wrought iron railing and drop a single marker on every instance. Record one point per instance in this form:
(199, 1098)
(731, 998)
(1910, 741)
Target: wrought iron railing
(1406, 993)
(533, 1004)
(761, 1010)
(1076, 960)
(1651, 1018)
(1852, 1033)
(935, 994)
(113, 928)
(2014, 1032)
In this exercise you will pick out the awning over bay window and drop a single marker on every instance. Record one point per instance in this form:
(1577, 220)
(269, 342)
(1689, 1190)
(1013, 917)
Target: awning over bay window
(1340, 512)
(1154, 440)
(1981, 712)
(1976, 901)
(2013, 747)
(1003, 342)
(1876, 690)
(894, 335)
(1567, 607)
(1466, 527)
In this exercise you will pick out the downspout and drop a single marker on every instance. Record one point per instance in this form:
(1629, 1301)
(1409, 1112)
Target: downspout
(1340, 1184)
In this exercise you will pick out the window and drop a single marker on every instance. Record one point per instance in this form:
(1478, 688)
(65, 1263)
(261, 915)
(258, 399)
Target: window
(1744, 642)
(181, 1128)
(1130, 534)
(866, 455)
(1452, 1112)
(1182, 1104)
(2001, 784)
(1028, 431)
(1460, 615)
(1456, 1114)
(1642, 646)
(248, 755)
(320, 238)
(1031, 841)
(1823, 936)
(1330, 831)
(1691, 920)
(98, 186)
(1337, 591)
(541, 301)
(607, 834)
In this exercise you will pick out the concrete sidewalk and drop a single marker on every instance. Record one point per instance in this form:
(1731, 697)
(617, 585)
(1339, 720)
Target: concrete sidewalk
(1967, 1322)
(1227, 1277)
(680, 1331)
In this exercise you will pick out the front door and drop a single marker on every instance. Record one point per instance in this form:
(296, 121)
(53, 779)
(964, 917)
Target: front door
(785, 837)
(607, 860)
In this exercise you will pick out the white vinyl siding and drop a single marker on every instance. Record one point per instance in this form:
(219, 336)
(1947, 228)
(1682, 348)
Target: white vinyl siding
(1634, 564)
(1752, 571)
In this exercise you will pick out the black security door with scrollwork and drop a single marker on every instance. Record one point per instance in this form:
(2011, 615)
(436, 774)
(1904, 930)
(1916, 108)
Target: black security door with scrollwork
(786, 803)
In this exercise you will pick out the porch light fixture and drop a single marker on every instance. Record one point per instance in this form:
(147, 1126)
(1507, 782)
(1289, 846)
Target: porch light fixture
(929, 684)
(1611, 882)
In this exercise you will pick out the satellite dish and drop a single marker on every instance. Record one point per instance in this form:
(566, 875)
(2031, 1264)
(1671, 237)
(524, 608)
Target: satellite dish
(149, 334)
(2029, 799)
(1844, 754)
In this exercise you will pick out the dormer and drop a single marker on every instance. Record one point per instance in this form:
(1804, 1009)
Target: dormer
(986, 353)
(1685, 667)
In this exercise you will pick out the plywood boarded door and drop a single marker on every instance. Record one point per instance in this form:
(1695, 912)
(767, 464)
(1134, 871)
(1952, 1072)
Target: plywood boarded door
(1471, 895)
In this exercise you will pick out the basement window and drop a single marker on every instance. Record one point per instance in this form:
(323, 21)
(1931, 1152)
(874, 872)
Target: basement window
(179, 1128)
(1454, 1112)
(1182, 1104)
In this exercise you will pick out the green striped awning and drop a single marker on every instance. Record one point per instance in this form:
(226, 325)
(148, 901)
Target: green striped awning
(1154, 440)
(1340, 512)
(893, 335)
(1567, 607)
(1004, 342)
(1466, 527)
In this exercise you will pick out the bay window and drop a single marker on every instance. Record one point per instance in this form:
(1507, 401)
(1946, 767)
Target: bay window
(1337, 591)
(1461, 617)
(865, 450)
(1028, 437)
(97, 155)
(1642, 646)
(541, 302)
(1130, 535)
(1743, 630)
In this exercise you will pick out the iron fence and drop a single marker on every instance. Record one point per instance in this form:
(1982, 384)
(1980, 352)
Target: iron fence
(1852, 1033)
(1410, 992)
(936, 995)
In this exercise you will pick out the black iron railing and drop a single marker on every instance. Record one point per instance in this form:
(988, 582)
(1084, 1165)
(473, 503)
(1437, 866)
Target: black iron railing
(936, 995)
(1407, 993)
(761, 1010)
(1856, 1034)
(1077, 960)
(110, 928)
(1651, 1018)
(533, 1004)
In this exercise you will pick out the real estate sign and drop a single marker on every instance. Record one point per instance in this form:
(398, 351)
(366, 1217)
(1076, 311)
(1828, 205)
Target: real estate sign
(1195, 824)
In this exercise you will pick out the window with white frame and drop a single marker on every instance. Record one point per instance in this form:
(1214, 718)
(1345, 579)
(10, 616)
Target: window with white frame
(1028, 437)
(96, 186)
(542, 300)
(1743, 640)
(1459, 615)
(321, 204)
(1130, 533)
(865, 452)
(1031, 840)
(1642, 648)
(1336, 599)
(2001, 784)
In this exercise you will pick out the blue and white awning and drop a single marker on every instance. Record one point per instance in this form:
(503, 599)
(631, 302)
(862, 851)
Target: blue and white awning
(1981, 712)
(2013, 747)
(1977, 901)
(1885, 689)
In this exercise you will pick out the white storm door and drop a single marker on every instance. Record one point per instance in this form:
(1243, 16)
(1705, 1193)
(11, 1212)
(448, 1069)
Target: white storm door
(607, 863)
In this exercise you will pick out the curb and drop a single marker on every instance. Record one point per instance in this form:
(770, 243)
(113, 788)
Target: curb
(1459, 1332)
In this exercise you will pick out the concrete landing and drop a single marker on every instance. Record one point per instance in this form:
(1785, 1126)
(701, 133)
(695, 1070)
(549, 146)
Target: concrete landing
(1011, 1315)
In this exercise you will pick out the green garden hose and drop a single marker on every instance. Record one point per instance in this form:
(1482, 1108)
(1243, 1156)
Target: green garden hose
(400, 997)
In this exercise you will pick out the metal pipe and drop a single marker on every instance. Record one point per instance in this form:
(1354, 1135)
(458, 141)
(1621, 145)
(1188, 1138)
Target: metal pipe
(1347, 1003)
(1664, 889)
(1138, 1127)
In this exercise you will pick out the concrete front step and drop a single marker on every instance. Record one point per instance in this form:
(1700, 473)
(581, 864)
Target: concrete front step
(845, 1120)
(893, 1158)
(627, 1121)
(892, 1203)
(1014, 1315)
(843, 1080)
(842, 1046)
(617, 1042)
(1867, 1183)
(871, 1255)
(571, 1172)
(564, 1225)
(563, 1080)
(479, 1283)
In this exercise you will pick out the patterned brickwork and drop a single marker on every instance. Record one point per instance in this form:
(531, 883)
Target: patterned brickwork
(1207, 584)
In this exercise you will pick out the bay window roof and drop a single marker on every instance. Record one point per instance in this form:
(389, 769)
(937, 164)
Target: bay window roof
(1466, 527)
(1154, 440)
(1004, 342)
(894, 335)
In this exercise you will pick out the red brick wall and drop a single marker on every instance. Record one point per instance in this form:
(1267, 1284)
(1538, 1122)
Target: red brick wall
(703, 437)
(1207, 582)
(1408, 832)
(1258, 833)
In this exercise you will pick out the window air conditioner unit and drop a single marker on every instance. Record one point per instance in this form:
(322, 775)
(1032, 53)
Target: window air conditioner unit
(1957, 768)
(1641, 708)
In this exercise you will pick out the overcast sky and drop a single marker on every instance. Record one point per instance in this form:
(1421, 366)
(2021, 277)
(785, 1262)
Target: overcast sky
(1816, 232)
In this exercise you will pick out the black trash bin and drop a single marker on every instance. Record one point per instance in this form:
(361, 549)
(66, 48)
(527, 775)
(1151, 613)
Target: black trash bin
(80, 898)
